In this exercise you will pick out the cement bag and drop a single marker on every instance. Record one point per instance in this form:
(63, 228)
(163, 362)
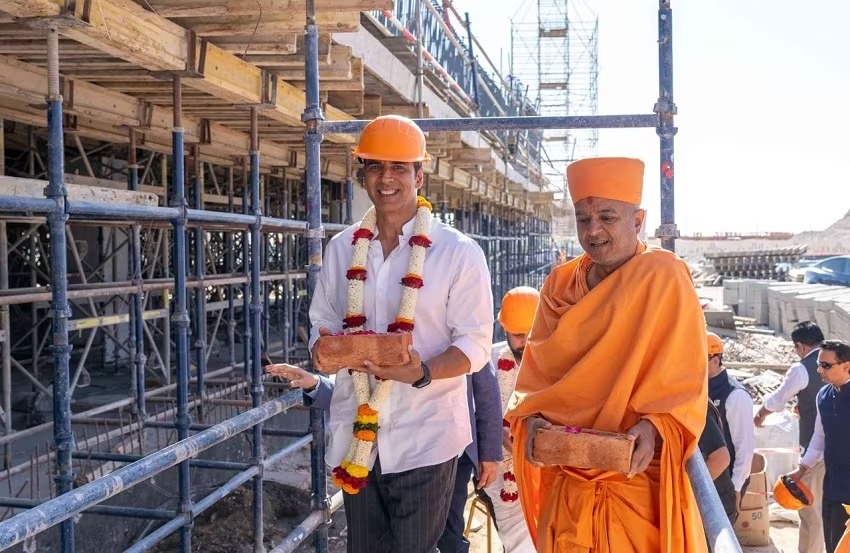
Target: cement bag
(779, 441)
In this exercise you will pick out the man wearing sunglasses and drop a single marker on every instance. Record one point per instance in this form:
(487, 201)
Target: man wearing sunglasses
(803, 382)
(830, 439)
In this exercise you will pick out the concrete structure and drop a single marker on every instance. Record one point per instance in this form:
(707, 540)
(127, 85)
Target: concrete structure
(781, 305)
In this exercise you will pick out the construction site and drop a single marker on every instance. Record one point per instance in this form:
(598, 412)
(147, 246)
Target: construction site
(170, 173)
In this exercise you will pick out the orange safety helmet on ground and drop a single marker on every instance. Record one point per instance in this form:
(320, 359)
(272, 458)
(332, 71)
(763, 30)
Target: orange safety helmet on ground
(392, 138)
(791, 495)
(517, 311)
(715, 344)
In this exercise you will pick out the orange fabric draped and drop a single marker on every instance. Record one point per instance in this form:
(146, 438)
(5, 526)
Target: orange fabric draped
(633, 347)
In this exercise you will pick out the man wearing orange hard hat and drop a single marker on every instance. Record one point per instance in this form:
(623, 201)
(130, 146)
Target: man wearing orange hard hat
(396, 432)
(615, 339)
(516, 314)
(736, 412)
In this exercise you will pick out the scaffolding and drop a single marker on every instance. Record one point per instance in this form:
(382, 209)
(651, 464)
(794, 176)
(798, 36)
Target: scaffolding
(554, 58)
(246, 248)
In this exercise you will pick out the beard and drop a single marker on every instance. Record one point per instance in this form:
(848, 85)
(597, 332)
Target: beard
(517, 353)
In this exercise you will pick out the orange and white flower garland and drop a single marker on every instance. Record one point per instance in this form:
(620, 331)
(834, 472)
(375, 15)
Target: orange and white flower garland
(353, 471)
(506, 374)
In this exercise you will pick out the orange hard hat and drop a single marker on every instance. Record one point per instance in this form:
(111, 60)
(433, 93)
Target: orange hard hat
(791, 495)
(715, 344)
(517, 311)
(392, 138)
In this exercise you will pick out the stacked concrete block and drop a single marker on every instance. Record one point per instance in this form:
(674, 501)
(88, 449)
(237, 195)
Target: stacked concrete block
(839, 322)
(781, 305)
(748, 298)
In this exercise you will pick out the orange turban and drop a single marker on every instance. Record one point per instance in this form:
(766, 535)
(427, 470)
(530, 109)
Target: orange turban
(613, 178)
(517, 312)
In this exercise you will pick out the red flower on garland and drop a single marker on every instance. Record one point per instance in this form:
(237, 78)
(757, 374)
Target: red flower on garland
(400, 326)
(412, 281)
(419, 240)
(362, 233)
(353, 321)
(505, 423)
(506, 365)
(354, 482)
(509, 477)
(508, 497)
(355, 274)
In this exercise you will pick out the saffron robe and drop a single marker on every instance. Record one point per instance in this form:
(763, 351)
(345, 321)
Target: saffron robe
(633, 347)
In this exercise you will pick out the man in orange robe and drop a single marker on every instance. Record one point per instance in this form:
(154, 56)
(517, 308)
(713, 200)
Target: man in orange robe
(617, 345)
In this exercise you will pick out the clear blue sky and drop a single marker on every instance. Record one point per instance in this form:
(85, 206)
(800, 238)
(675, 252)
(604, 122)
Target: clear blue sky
(763, 98)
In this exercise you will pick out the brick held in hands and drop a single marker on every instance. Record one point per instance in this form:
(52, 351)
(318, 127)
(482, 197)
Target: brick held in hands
(583, 449)
(350, 350)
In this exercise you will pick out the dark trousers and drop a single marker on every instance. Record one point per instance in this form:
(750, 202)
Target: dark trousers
(452, 540)
(404, 511)
(834, 521)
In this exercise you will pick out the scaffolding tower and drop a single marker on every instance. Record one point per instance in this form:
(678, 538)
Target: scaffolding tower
(554, 57)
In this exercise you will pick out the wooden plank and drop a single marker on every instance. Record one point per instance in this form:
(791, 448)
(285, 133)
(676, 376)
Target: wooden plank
(372, 106)
(296, 61)
(339, 68)
(351, 103)
(249, 25)
(127, 31)
(222, 8)
(406, 111)
(24, 83)
(33, 188)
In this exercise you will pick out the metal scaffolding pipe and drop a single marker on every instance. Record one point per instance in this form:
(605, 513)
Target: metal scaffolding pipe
(54, 511)
(510, 123)
(60, 310)
(256, 332)
(666, 110)
(312, 118)
(200, 344)
(137, 328)
(180, 316)
(314, 520)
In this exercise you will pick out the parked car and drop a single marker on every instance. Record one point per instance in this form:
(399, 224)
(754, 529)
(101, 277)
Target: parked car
(833, 270)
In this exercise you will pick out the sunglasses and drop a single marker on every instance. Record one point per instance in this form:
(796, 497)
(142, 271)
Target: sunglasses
(826, 365)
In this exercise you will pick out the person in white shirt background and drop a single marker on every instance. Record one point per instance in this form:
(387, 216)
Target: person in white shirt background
(803, 382)
(423, 424)
(829, 443)
(736, 410)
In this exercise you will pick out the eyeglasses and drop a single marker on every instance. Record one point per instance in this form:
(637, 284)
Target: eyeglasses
(825, 365)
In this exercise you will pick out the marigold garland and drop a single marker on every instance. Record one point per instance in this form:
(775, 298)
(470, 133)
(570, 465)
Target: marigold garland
(352, 473)
(506, 375)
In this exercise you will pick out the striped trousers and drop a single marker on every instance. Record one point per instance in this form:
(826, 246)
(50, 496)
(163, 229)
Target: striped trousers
(402, 512)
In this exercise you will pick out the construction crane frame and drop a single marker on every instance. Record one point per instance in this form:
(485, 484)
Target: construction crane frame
(71, 500)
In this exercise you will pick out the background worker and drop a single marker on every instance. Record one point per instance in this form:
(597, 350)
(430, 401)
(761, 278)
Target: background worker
(736, 412)
(830, 442)
(803, 381)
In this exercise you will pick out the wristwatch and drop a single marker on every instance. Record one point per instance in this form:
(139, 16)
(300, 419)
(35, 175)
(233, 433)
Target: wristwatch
(426, 378)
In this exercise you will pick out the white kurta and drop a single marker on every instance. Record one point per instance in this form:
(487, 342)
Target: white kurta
(418, 427)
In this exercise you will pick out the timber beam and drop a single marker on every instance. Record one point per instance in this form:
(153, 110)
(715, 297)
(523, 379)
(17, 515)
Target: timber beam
(127, 31)
(226, 8)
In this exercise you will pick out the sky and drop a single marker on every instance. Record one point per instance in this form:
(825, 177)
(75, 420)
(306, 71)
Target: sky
(763, 102)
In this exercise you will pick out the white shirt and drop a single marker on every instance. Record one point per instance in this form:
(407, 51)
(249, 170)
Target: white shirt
(817, 445)
(739, 418)
(796, 380)
(814, 453)
(430, 425)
